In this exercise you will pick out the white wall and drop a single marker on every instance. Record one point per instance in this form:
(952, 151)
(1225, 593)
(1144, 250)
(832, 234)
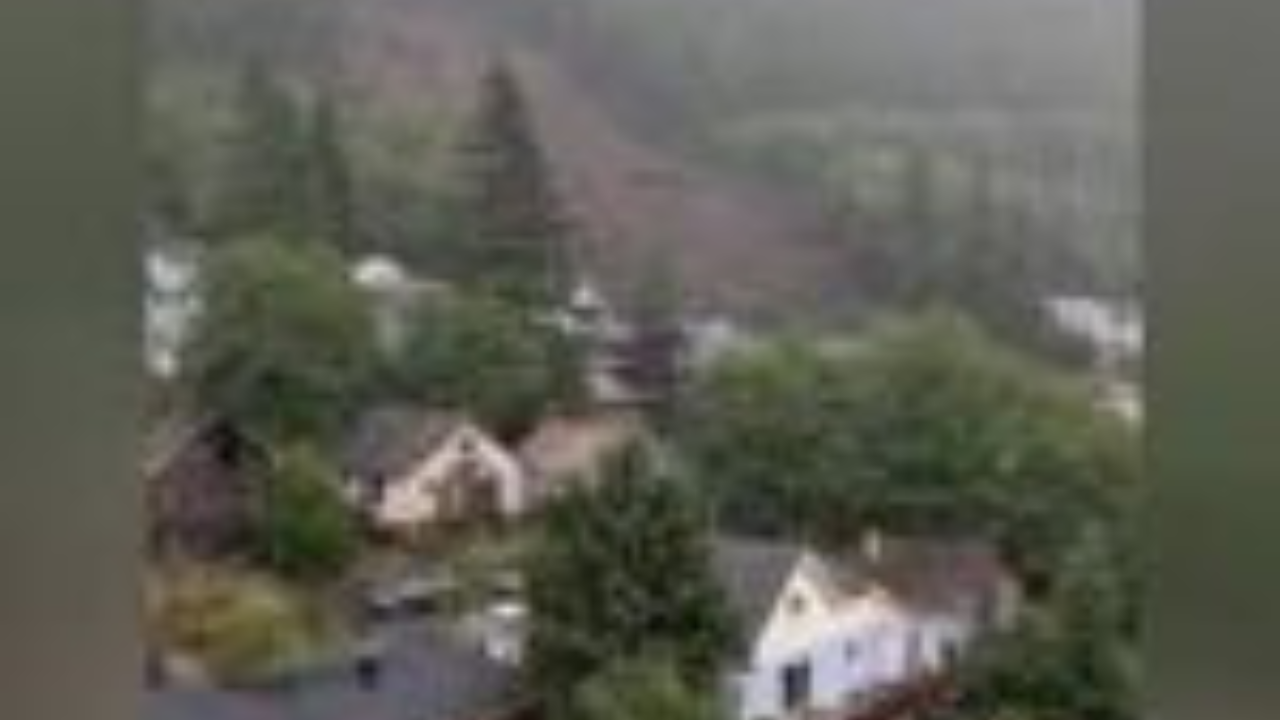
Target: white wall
(859, 645)
(413, 498)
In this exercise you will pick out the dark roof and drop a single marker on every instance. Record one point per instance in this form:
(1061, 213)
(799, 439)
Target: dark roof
(387, 440)
(929, 575)
(952, 575)
(753, 573)
(198, 497)
(205, 704)
(424, 677)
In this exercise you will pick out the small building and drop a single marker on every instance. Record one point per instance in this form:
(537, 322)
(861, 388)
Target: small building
(626, 364)
(198, 499)
(822, 635)
(406, 469)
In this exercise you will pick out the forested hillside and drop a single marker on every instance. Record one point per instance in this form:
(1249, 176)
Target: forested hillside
(788, 160)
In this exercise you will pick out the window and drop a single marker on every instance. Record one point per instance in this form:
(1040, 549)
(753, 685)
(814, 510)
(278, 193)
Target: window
(796, 604)
(797, 684)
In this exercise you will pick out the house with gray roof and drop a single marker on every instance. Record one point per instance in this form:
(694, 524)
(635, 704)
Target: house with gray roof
(407, 468)
(823, 634)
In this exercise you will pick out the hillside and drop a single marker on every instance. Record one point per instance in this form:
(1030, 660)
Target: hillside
(635, 109)
(736, 244)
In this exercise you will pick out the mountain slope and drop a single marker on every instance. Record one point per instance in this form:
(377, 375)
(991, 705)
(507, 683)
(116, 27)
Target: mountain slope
(734, 244)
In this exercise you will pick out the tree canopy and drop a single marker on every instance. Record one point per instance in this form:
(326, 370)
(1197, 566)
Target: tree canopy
(330, 190)
(305, 531)
(620, 572)
(263, 188)
(641, 689)
(514, 234)
(921, 425)
(287, 171)
(481, 355)
(284, 345)
(928, 426)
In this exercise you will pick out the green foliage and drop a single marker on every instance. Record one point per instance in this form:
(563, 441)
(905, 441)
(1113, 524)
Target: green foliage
(264, 189)
(925, 425)
(620, 572)
(242, 628)
(768, 430)
(483, 356)
(515, 233)
(954, 431)
(305, 530)
(331, 211)
(284, 346)
(641, 689)
(975, 248)
(401, 162)
(288, 172)
(1053, 669)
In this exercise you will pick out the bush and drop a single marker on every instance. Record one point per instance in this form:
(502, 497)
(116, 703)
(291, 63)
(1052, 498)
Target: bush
(240, 628)
(641, 689)
(306, 531)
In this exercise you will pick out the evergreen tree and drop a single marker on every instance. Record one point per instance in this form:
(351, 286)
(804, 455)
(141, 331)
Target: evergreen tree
(515, 230)
(483, 356)
(624, 571)
(305, 531)
(264, 188)
(331, 211)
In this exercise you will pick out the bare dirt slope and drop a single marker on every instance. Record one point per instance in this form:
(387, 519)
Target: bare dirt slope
(735, 245)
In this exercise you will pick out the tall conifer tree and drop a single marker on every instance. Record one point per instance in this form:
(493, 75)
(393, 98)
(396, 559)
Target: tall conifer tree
(331, 201)
(623, 571)
(264, 190)
(515, 229)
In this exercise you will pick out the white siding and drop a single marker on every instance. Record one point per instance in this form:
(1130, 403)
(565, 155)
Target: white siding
(413, 499)
(856, 646)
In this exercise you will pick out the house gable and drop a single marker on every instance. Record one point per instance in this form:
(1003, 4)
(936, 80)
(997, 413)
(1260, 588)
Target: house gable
(466, 460)
(801, 614)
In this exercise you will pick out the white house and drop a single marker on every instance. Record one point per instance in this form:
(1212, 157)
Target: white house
(407, 469)
(825, 636)
(171, 304)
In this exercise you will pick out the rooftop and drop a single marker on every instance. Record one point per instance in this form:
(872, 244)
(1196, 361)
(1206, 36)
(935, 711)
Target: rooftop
(424, 676)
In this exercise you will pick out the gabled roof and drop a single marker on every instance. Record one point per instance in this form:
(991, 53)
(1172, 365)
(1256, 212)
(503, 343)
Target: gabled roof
(753, 574)
(925, 575)
(935, 575)
(571, 447)
(389, 440)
